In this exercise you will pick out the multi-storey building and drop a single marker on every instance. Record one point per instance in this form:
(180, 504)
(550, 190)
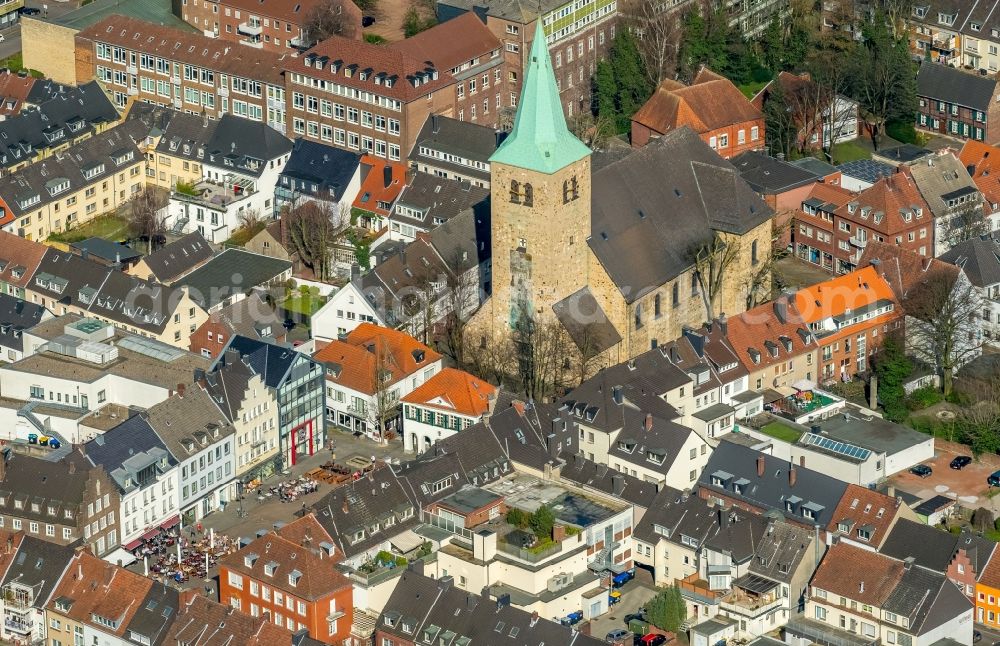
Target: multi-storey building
(850, 316)
(752, 18)
(61, 501)
(954, 199)
(299, 386)
(935, 29)
(979, 259)
(578, 34)
(272, 26)
(365, 97)
(155, 64)
(833, 226)
(957, 104)
(453, 149)
(473, 55)
(32, 567)
(448, 402)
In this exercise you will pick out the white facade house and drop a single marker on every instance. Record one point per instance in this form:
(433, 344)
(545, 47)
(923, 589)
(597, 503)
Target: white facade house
(447, 403)
(343, 312)
(979, 260)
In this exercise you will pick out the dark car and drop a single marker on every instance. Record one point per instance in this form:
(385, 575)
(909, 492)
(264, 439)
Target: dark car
(367, 21)
(922, 471)
(960, 462)
(638, 615)
(30, 11)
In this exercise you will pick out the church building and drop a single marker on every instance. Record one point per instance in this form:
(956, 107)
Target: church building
(622, 251)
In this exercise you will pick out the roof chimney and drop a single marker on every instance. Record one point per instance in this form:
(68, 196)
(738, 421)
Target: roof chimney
(649, 422)
(387, 175)
(760, 466)
(180, 390)
(617, 395)
(792, 475)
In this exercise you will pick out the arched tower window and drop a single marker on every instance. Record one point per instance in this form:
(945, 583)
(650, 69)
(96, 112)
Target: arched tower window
(571, 190)
(515, 192)
(528, 195)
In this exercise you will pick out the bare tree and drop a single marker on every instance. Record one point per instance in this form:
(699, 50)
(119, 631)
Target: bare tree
(712, 263)
(146, 215)
(832, 79)
(942, 323)
(312, 228)
(966, 223)
(325, 19)
(657, 28)
(384, 409)
(543, 355)
(250, 219)
(491, 356)
(595, 131)
(462, 296)
(589, 357)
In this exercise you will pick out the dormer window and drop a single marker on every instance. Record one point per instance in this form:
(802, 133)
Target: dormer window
(293, 578)
(249, 560)
(270, 567)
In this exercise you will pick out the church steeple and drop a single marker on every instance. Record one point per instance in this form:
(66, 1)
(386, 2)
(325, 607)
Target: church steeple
(540, 140)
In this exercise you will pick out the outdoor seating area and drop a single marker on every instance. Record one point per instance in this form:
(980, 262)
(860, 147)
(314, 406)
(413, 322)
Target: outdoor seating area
(170, 556)
(288, 490)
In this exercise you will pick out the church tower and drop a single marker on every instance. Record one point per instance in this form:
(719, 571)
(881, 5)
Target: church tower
(540, 195)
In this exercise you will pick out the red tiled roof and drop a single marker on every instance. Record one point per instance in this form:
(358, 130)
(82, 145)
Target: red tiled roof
(21, 254)
(305, 531)
(456, 391)
(207, 623)
(711, 102)
(904, 269)
(373, 189)
(986, 162)
(763, 329)
(452, 42)
(864, 508)
(836, 296)
(318, 577)
(991, 573)
(888, 198)
(357, 357)
(96, 587)
(188, 47)
(411, 78)
(858, 574)
(14, 90)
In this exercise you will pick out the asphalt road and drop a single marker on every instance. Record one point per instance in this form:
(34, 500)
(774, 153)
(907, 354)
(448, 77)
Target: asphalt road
(50, 8)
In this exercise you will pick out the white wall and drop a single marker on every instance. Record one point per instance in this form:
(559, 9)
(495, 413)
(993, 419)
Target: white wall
(150, 506)
(342, 313)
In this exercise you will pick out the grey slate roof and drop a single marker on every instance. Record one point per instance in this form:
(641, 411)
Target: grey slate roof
(768, 175)
(17, 315)
(932, 548)
(586, 322)
(773, 489)
(184, 423)
(421, 608)
(945, 83)
(320, 171)
(681, 515)
(173, 260)
(127, 449)
(232, 272)
(650, 209)
(228, 386)
(926, 598)
(156, 613)
(640, 446)
(270, 360)
(39, 563)
(979, 258)
(603, 478)
(244, 142)
(106, 250)
(464, 139)
(435, 200)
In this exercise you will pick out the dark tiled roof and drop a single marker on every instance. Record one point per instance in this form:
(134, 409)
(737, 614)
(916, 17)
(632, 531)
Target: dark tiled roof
(156, 614)
(437, 200)
(945, 83)
(680, 514)
(329, 169)
(17, 315)
(126, 449)
(228, 386)
(233, 272)
(271, 361)
(642, 445)
(464, 139)
(58, 484)
(182, 422)
(177, 258)
(932, 548)
(768, 175)
(979, 258)
(105, 250)
(650, 209)
(39, 563)
(603, 478)
(248, 140)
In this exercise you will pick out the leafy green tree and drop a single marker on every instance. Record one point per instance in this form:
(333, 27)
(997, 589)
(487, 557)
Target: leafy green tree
(517, 517)
(667, 609)
(892, 367)
(542, 521)
(621, 85)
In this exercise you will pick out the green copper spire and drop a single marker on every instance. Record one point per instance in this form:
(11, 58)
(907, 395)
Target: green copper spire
(540, 140)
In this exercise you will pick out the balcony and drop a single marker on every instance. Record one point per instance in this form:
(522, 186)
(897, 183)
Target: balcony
(697, 590)
(861, 243)
(16, 626)
(750, 606)
(246, 29)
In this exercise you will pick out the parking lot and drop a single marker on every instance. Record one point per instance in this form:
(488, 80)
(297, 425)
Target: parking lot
(635, 594)
(968, 486)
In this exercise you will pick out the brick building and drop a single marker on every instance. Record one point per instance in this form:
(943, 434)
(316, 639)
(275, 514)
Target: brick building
(275, 26)
(578, 35)
(834, 226)
(169, 67)
(850, 316)
(711, 106)
(290, 576)
(365, 97)
(473, 55)
(958, 104)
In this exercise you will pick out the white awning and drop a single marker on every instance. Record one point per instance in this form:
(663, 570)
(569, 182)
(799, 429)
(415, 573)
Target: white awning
(407, 541)
(804, 385)
(786, 391)
(120, 556)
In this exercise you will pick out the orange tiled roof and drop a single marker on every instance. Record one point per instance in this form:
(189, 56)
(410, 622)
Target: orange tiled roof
(95, 587)
(18, 253)
(373, 187)
(837, 296)
(888, 198)
(986, 162)
(862, 507)
(318, 577)
(711, 102)
(355, 358)
(454, 390)
(991, 573)
(14, 90)
(858, 574)
(763, 328)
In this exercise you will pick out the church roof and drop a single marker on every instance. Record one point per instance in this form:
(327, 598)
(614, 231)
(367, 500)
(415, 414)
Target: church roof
(540, 140)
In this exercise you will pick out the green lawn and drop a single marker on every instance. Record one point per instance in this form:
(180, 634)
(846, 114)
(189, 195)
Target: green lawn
(243, 235)
(750, 90)
(849, 151)
(303, 303)
(780, 431)
(111, 227)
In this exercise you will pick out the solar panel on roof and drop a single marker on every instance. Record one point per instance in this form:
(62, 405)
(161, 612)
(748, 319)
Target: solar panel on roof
(836, 446)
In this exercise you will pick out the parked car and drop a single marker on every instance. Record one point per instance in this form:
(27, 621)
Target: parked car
(960, 462)
(617, 635)
(653, 640)
(993, 480)
(621, 579)
(638, 615)
(922, 471)
(29, 11)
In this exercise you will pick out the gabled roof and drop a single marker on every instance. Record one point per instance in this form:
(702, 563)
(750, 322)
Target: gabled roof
(983, 163)
(208, 623)
(454, 390)
(270, 360)
(156, 613)
(934, 549)
(978, 257)
(249, 144)
(35, 562)
(928, 599)
(941, 178)
(540, 140)
(649, 442)
(312, 570)
(438, 200)
(945, 83)
(762, 336)
(251, 317)
(228, 385)
(16, 316)
(674, 514)
(381, 182)
(95, 588)
(231, 273)
(15, 88)
(173, 260)
(650, 209)
(452, 43)
(19, 256)
(126, 449)
(585, 321)
(891, 205)
(329, 169)
(858, 574)
(189, 422)
(905, 270)
(709, 103)
(464, 139)
(864, 509)
(58, 486)
(603, 478)
(839, 296)
(368, 349)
